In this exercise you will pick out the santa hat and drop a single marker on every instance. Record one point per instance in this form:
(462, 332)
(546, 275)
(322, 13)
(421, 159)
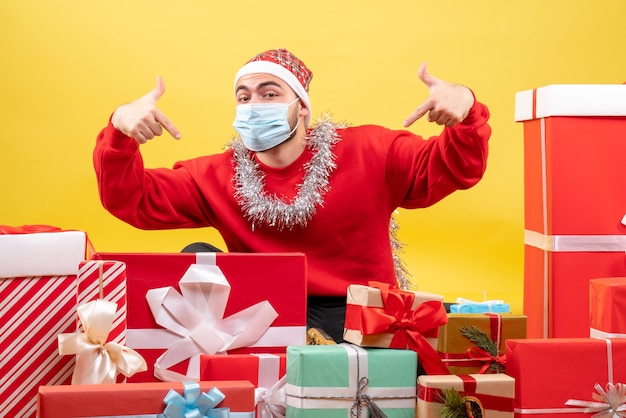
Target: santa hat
(286, 66)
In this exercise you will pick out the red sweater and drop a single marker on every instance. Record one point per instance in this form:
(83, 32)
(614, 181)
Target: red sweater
(347, 240)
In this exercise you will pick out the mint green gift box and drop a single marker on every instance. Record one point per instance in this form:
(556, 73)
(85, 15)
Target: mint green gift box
(323, 380)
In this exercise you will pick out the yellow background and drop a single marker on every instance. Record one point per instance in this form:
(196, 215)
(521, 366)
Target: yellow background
(66, 65)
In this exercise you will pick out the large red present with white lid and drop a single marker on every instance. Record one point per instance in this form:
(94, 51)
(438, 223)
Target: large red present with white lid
(574, 143)
(165, 290)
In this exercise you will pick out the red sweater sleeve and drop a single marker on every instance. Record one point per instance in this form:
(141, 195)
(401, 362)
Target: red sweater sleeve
(145, 198)
(454, 160)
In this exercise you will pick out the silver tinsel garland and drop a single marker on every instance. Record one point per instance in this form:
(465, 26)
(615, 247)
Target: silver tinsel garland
(271, 210)
(262, 208)
(402, 273)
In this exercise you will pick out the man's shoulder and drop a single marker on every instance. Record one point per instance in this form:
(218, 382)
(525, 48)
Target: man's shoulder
(363, 134)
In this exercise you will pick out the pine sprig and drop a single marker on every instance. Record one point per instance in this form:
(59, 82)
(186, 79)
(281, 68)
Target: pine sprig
(453, 404)
(475, 335)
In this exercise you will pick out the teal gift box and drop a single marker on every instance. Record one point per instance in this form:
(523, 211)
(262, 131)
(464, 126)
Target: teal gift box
(347, 380)
(488, 306)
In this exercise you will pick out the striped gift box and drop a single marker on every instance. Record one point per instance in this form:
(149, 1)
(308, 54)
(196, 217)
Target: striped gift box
(104, 279)
(35, 307)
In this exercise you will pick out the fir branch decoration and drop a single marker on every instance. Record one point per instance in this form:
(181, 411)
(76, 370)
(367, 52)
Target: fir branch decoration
(453, 404)
(482, 341)
(456, 405)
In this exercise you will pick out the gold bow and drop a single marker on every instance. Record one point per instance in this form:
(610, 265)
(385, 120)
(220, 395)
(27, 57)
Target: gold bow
(98, 361)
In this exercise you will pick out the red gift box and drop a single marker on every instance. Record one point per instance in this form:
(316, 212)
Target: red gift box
(36, 306)
(263, 370)
(573, 170)
(131, 399)
(556, 289)
(550, 371)
(279, 278)
(607, 302)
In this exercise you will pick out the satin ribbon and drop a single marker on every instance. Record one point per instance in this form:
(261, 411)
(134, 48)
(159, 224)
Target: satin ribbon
(609, 403)
(272, 401)
(575, 243)
(478, 354)
(410, 327)
(596, 333)
(96, 360)
(270, 397)
(194, 403)
(195, 317)
(489, 402)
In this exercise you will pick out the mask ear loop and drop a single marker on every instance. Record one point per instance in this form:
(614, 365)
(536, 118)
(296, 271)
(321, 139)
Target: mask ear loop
(295, 127)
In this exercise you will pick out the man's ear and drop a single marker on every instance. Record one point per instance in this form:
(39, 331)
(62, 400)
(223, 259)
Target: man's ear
(304, 111)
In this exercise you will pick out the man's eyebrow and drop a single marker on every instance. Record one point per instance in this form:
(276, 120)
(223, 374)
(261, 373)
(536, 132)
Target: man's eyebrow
(260, 86)
(270, 83)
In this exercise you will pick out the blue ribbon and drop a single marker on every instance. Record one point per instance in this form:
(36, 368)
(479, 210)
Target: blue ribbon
(194, 403)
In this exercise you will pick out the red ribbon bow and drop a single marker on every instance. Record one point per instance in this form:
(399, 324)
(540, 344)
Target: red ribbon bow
(410, 327)
(478, 354)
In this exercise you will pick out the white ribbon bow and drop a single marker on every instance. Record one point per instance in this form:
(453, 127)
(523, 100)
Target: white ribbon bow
(196, 317)
(96, 360)
(609, 404)
(272, 401)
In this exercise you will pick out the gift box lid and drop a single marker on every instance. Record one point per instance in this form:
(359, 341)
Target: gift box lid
(571, 100)
(42, 253)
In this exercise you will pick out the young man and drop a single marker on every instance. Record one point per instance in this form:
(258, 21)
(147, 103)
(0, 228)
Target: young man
(283, 186)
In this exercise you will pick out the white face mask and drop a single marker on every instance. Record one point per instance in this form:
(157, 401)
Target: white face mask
(264, 125)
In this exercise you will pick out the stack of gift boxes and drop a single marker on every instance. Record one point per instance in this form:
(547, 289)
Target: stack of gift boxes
(213, 333)
(87, 334)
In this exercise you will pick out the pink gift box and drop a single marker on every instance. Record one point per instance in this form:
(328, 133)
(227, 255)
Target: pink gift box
(550, 371)
(35, 308)
(279, 278)
(573, 173)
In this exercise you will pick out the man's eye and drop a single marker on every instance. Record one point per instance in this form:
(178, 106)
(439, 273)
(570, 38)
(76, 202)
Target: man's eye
(271, 95)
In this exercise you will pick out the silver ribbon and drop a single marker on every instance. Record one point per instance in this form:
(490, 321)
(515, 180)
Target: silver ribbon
(609, 403)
